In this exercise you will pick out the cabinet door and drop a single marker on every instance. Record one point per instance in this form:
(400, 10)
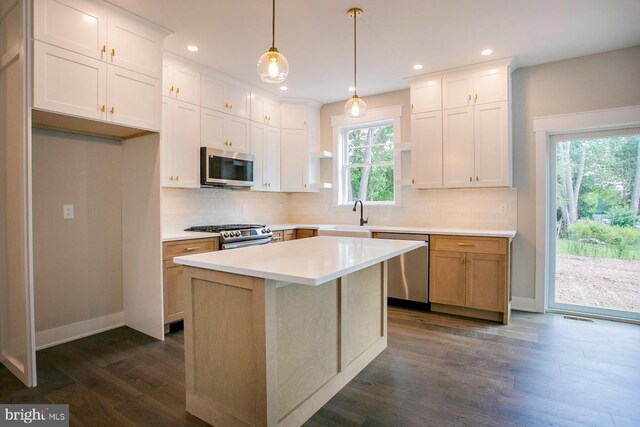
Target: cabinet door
(237, 132)
(166, 145)
(458, 157)
(167, 79)
(237, 100)
(212, 130)
(185, 134)
(492, 148)
(294, 116)
(133, 99)
(77, 25)
(294, 152)
(273, 113)
(426, 96)
(490, 85)
(457, 91)
(485, 281)
(173, 292)
(212, 94)
(272, 158)
(258, 109)
(134, 46)
(426, 150)
(447, 278)
(69, 83)
(257, 149)
(186, 84)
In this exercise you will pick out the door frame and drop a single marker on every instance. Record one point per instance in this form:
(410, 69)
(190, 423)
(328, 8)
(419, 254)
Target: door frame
(544, 128)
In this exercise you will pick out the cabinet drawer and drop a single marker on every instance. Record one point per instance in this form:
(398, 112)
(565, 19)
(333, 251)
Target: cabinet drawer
(289, 234)
(277, 237)
(189, 247)
(304, 233)
(486, 245)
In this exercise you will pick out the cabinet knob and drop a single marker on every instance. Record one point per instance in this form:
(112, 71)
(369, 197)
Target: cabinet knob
(470, 179)
(171, 89)
(226, 105)
(113, 110)
(104, 48)
(177, 178)
(177, 90)
(476, 97)
(103, 108)
(113, 52)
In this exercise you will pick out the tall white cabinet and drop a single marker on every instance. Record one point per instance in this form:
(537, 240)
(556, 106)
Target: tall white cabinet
(465, 139)
(180, 144)
(300, 137)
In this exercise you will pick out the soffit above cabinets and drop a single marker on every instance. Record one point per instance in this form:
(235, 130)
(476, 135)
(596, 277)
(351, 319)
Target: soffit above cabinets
(392, 37)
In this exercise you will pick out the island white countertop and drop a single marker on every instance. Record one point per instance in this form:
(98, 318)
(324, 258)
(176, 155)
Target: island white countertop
(311, 261)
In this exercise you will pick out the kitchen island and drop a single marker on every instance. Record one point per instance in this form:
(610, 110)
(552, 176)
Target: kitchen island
(273, 332)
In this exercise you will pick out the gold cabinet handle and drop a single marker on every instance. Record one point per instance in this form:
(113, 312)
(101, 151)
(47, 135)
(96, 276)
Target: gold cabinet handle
(171, 178)
(470, 179)
(413, 181)
(476, 97)
(177, 178)
(177, 90)
(103, 108)
(104, 48)
(171, 89)
(477, 179)
(266, 117)
(113, 52)
(191, 249)
(226, 105)
(231, 106)
(469, 98)
(231, 143)
(466, 244)
(113, 110)
(412, 106)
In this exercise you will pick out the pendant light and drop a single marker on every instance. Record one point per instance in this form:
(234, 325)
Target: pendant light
(273, 67)
(355, 107)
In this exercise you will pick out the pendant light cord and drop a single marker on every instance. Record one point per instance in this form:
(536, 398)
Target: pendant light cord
(355, 55)
(273, 25)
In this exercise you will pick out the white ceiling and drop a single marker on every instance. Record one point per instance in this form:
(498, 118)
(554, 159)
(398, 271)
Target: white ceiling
(316, 36)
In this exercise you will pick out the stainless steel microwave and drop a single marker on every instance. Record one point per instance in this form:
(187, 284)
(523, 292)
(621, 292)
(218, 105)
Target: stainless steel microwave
(220, 168)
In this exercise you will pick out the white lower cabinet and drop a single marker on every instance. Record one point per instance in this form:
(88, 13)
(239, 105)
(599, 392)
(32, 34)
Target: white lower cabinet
(265, 147)
(180, 144)
(476, 146)
(69, 83)
(426, 154)
(224, 132)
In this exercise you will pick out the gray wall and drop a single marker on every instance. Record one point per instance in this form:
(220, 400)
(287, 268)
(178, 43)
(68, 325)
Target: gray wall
(594, 82)
(78, 262)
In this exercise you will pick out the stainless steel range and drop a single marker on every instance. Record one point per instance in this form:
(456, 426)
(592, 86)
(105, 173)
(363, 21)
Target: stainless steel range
(234, 236)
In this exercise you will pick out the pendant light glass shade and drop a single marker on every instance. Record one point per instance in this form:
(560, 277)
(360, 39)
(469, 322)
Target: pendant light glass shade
(355, 107)
(273, 67)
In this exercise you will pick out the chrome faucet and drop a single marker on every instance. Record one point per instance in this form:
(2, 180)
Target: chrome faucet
(362, 220)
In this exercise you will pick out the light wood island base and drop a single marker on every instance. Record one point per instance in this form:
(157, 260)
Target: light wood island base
(261, 352)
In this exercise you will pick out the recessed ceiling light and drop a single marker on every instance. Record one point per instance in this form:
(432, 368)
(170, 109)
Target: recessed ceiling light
(486, 52)
(352, 89)
(417, 67)
(283, 88)
(192, 48)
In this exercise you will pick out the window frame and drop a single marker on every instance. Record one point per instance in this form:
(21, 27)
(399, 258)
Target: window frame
(341, 124)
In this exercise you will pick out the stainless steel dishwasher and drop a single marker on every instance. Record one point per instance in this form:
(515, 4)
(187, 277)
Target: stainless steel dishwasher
(408, 274)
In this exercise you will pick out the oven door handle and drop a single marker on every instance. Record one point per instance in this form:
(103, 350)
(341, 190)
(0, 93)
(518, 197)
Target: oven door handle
(245, 243)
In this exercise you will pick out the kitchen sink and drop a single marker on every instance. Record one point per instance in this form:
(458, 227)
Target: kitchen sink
(345, 231)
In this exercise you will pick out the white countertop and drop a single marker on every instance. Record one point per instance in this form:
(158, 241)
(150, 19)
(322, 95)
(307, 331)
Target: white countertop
(311, 261)
(186, 235)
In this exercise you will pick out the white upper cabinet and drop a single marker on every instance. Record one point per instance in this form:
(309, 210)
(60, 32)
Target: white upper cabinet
(224, 97)
(294, 116)
(76, 25)
(426, 96)
(481, 87)
(133, 99)
(426, 150)
(180, 144)
(265, 110)
(84, 95)
(265, 147)
(458, 147)
(134, 46)
(224, 131)
(492, 148)
(180, 82)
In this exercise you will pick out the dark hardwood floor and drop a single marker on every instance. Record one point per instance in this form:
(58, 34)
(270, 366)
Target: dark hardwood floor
(438, 370)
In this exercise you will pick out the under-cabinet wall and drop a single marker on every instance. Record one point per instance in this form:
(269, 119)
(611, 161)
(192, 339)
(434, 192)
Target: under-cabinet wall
(77, 262)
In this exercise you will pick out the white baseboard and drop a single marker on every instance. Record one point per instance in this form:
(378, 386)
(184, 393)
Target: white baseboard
(71, 332)
(523, 304)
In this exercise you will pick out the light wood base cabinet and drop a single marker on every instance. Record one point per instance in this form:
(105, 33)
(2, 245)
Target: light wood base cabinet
(173, 293)
(471, 276)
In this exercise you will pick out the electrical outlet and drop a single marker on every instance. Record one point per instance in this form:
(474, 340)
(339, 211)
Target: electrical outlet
(67, 211)
(502, 208)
